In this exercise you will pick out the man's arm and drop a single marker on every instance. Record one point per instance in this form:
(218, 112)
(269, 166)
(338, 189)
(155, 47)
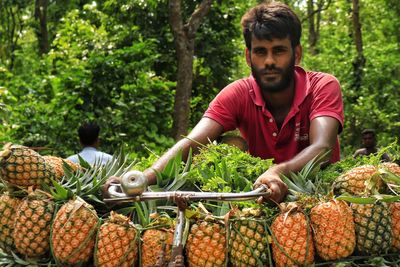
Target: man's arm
(205, 131)
(323, 134)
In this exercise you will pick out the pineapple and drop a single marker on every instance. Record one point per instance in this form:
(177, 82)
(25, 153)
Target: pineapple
(8, 207)
(334, 230)
(373, 227)
(32, 224)
(292, 238)
(395, 211)
(206, 244)
(116, 243)
(74, 228)
(21, 166)
(392, 167)
(248, 238)
(354, 181)
(57, 164)
(157, 241)
(156, 247)
(74, 232)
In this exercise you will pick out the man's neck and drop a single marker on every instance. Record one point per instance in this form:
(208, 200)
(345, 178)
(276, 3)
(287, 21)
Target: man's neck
(279, 104)
(281, 100)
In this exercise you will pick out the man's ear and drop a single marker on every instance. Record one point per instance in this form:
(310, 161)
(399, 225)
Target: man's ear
(248, 60)
(298, 52)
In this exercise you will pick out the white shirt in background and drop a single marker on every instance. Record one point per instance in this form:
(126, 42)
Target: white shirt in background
(92, 156)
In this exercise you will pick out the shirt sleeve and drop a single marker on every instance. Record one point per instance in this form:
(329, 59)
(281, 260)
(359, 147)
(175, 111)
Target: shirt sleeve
(327, 99)
(225, 107)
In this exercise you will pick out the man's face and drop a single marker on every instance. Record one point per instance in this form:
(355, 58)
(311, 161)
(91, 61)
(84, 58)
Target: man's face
(272, 63)
(368, 140)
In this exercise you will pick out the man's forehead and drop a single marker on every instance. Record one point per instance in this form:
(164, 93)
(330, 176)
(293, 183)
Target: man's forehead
(273, 41)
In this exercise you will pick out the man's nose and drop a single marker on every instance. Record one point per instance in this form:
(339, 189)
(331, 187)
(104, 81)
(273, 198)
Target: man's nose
(269, 60)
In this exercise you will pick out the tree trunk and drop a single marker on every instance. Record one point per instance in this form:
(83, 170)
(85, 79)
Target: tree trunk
(41, 31)
(184, 38)
(312, 34)
(359, 61)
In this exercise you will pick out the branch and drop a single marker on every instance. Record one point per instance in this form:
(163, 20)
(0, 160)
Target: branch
(318, 10)
(197, 17)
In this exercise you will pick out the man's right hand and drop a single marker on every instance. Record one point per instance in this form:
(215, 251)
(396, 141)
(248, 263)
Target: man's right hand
(111, 180)
(271, 178)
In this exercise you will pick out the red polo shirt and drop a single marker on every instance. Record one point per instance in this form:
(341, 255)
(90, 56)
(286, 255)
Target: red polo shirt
(241, 105)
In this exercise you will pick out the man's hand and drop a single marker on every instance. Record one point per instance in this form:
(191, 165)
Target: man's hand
(107, 184)
(271, 179)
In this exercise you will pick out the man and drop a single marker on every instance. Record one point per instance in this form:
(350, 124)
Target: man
(282, 111)
(89, 139)
(369, 142)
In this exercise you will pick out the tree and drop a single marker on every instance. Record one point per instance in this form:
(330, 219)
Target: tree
(41, 31)
(184, 38)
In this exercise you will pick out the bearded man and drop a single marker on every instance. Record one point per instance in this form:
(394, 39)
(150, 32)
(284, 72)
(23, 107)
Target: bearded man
(282, 111)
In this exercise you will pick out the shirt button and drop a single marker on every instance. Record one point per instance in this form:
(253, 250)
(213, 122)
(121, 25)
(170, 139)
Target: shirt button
(271, 120)
(274, 134)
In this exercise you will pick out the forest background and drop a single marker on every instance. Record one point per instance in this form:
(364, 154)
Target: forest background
(63, 62)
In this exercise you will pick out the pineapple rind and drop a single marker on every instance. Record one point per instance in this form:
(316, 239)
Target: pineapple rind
(373, 228)
(292, 239)
(334, 230)
(21, 166)
(32, 225)
(154, 243)
(206, 244)
(116, 243)
(8, 207)
(73, 232)
(248, 244)
(395, 211)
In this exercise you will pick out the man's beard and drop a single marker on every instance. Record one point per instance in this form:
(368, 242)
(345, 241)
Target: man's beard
(286, 74)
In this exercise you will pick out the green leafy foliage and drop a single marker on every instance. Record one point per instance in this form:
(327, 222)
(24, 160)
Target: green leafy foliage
(225, 168)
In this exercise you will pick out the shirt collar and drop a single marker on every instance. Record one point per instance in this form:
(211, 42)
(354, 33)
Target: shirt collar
(301, 88)
(89, 148)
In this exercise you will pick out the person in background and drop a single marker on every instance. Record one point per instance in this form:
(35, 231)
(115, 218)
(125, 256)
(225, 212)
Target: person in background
(89, 140)
(281, 110)
(369, 142)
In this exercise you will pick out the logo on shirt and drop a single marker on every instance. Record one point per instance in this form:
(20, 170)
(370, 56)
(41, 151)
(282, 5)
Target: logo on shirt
(297, 136)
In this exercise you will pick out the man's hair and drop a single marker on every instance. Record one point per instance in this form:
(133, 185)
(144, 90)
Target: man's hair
(368, 131)
(271, 20)
(88, 133)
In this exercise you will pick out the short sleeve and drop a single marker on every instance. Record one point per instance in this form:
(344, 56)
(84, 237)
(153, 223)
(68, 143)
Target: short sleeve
(226, 106)
(327, 99)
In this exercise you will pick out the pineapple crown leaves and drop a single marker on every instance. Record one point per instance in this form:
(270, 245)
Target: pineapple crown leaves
(368, 199)
(87, 182)
(174, 175)
(11, 260)
(306, 181)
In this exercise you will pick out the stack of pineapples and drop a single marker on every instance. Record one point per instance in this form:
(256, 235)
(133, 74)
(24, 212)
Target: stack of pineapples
(52, 212)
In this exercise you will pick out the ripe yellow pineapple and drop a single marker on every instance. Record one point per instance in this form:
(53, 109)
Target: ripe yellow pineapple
(32, 224)
(292, 242)
(206, 244)
(8, 206)
(73, 232)
(57, 164)
(334, 230)
(354, 180)
(373, 227)
(395, 211)
(392, 167)
(116, 243)
(248, 238)
(156, 246)
(21, 166)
